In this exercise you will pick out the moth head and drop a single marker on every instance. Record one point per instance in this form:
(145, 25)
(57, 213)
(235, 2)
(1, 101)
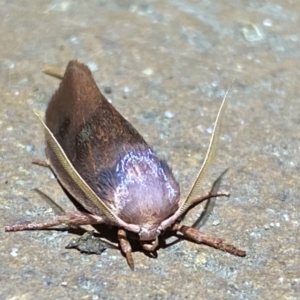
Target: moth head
(149, 233)
(149, 237)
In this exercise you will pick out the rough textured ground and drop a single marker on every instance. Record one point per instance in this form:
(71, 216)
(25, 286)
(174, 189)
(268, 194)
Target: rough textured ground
(168, 64)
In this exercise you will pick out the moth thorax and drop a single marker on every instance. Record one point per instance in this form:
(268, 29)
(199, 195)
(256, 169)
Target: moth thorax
(147, 192)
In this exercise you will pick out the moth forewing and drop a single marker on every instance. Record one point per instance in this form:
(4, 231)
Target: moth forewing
(90, 194)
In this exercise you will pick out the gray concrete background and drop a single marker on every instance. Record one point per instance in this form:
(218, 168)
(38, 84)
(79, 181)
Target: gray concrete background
(168, 64)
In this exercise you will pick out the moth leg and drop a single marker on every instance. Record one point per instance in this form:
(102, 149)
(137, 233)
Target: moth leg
(200, 238)
(150, 245)
(200, 199)
(75, 218)
(40, 162)
(126, 247)
(53, 71)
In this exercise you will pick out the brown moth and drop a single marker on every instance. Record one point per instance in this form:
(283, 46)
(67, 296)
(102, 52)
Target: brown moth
(107, 166)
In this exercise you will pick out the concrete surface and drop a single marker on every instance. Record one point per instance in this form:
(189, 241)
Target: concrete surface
(168, 64)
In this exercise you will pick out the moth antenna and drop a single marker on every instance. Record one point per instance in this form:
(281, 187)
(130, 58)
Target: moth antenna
(195, 190)
(78, 180)
(53, 71)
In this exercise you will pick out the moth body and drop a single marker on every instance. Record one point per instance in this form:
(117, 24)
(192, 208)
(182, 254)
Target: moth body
(107, 166)
(109, 155)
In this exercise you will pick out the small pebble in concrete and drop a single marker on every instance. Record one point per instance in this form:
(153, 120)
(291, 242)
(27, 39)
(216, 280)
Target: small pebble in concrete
(268, 22)
(93, 66)
(148, 71)
(74, 40)
(252, 33)
(14, 252)
(216, 222)
(107, 90)
(169, 114)
(286, 217)
(209, 130)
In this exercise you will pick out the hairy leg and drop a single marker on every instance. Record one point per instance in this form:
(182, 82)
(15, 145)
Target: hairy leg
(74, 218)
(126, 247)
(200, 238)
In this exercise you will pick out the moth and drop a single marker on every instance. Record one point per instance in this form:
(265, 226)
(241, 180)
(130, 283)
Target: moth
(107, 166)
